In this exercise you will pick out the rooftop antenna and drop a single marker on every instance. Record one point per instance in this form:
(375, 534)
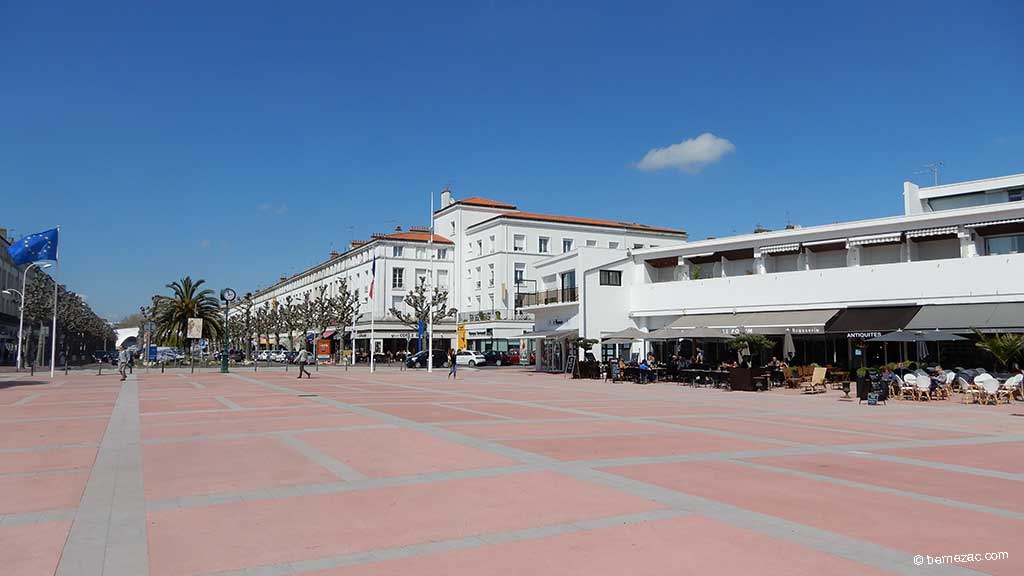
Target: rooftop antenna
(933, 169)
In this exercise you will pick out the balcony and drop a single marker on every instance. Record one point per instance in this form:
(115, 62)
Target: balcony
(492, 315)
(547, 297)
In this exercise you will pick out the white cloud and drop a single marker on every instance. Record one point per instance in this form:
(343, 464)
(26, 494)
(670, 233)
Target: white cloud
(689, 155)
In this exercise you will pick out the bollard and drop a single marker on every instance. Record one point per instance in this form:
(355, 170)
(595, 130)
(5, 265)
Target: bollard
(162, 364)
(99, 371)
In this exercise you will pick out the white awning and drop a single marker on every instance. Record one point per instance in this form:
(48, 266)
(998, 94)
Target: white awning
(546, 334)
(779, 248)
(701, 255)
(890, 238)
(824, 242)
(940, 231)
(995, 222)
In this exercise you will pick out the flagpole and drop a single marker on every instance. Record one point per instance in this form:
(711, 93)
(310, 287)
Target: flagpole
(433, 289)
(53, 330)
(373, 302)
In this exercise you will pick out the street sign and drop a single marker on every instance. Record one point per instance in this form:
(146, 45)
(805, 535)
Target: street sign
(152, 353)
(195, 328)
(323, 349)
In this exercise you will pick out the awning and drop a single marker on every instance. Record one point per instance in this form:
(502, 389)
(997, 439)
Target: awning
(1002, 316)
(628, 333)
(328, 334)
(794, 321)
(556, 334)
(918, 336)
(890, 238)
(872, 322)
(779, 248)
(995, 223)
(927, 232)
(666, 333)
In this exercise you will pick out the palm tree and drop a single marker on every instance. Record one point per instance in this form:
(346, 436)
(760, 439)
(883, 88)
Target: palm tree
(186, 301)
(1003, 347)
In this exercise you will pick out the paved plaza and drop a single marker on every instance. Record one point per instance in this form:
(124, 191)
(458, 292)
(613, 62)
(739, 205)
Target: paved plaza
(501, 472)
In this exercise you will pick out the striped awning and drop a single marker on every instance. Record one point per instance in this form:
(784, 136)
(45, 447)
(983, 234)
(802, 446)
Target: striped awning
(995, 222)
(889, 238)
(926, 232)
(780, 248)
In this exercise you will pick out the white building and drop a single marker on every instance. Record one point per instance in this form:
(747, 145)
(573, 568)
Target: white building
(955, 261)
(496, 249)
(402, 261)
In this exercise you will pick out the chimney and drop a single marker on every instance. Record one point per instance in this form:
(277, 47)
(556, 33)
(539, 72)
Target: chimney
(334, 254)
(398, 229)
(446, 197)
(282, 278)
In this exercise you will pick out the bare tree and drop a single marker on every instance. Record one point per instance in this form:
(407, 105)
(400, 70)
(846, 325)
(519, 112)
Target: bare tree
(419, 302)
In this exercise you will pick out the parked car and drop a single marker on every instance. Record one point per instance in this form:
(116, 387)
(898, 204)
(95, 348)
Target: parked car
(419, 359)
(265, 355)
(497, 358)
(470, 358)
(101, 356)
(279, 356)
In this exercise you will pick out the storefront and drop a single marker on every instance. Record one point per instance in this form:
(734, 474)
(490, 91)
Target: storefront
(552, 348)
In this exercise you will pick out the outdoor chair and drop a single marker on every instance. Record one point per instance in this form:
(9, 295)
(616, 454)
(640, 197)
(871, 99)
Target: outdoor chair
(909, 388)
(947, 385)
(817, 382)
(1015, 385)
(992, 390)
(924, 387)
(895, 385)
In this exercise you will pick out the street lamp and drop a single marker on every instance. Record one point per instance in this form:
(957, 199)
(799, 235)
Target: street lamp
(21, 319)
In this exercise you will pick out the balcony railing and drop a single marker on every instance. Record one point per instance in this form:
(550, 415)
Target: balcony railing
(490, 315)
(557, 296)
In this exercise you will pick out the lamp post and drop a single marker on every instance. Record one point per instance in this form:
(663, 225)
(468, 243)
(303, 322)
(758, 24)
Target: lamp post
(228, 296)
(21, 295)
(21, 319)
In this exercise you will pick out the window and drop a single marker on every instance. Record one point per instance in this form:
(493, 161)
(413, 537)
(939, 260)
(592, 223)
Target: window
(520, 272)
(397, 278)
(479, 246)
(490, 274)
(442, 279)
(1004, 245)
(637, 246)
(477, 278)
(397, 301)
(542, 245)
(1015, 195)
(519, 243)
(566, 244)
(613, 245)
(611, 278)
(591, 243)
(492, 244)
(442, 253)
(421, 276)
(453, 229)
(396, 252)
(421, 253)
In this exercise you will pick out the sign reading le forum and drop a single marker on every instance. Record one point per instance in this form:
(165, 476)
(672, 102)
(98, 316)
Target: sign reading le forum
(195, 328)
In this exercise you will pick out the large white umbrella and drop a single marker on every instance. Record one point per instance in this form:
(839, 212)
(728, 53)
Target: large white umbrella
(788, 348)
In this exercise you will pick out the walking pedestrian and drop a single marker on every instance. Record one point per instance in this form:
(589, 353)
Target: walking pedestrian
(452, 364)
(301, 359)
(122, 362)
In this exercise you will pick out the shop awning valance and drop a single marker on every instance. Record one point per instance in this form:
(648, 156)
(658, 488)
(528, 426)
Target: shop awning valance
(889, 238)
(794, 321)
(991, 317)
(555, 334)
(927, 232)
(872, 322)
(779, 248)
(995, 222)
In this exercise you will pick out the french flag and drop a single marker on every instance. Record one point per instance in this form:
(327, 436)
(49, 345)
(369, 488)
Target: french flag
(373, 275)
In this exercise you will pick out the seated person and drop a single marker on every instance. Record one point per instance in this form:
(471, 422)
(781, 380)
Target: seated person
(644, 370)
(889, 377)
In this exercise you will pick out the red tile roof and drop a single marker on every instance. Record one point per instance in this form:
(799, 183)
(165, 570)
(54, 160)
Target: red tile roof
(478, 201)
(583, 221)
(416, 236)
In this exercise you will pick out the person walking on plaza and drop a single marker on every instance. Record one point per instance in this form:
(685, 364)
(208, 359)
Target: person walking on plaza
(301, 360)
(122, 362)
(451, 362)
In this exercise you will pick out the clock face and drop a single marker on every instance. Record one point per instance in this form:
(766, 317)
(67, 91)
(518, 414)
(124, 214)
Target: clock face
(227, 294)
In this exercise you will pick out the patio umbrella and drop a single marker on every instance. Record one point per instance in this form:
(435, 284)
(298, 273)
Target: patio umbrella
(921, 337)
(627, 334)
(922, 350)
(666, 333)
(788, 348)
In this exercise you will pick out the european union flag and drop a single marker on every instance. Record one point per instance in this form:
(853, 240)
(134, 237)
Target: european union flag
(41, 246)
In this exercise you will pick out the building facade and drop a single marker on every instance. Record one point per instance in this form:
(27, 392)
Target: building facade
(954, 260)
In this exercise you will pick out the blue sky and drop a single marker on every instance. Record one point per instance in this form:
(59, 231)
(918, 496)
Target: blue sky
(238, 141)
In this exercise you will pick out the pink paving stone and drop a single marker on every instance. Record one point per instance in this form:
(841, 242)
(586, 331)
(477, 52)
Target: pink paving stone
(46, 460)
(255, 424)
(768, 430)
(1002, 456)
(531, 429)
(32, 549)
(212, 466)
(692, 546)
(929, 481)
(43, 492)
(398, 452)
(179, 404)
(226, 414)
(428, 412)
(913, 526)
(51, 432)
(514, 410)
(655, 409)
(55, 411)
(893, 431)
(270, 401)
(235, 536)
(674, 443)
